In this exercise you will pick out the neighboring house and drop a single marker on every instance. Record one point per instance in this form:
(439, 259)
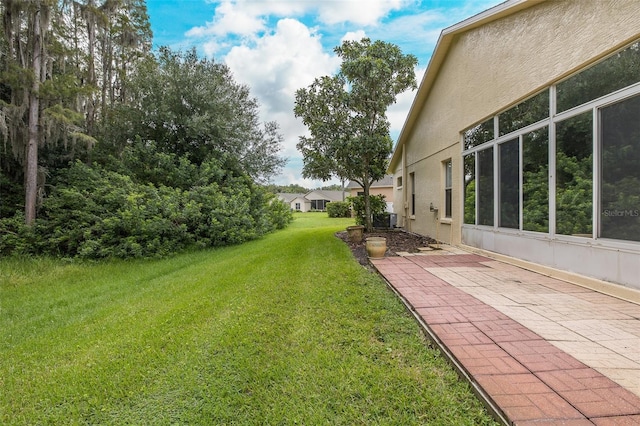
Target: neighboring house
(319, 198)
(524, 137)
(297, 202)
(311, 201)
(383, 186)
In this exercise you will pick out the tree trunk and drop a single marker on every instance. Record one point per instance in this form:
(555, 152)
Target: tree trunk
(31, 176)
(368, 224)
(91, 71)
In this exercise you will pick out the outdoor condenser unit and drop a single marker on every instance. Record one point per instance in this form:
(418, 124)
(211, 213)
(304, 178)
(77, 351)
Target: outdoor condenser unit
(385, 220)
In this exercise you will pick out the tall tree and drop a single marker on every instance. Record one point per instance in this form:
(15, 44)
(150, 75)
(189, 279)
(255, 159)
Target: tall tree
(346, 114)
(192, 107)
(53, 68)
(39, 23)
(25, 26)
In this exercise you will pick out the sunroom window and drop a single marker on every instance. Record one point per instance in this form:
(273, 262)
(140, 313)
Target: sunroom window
(570, 170)
(620, 159)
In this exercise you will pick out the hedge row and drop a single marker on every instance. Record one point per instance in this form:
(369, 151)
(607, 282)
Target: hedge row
(97, 213)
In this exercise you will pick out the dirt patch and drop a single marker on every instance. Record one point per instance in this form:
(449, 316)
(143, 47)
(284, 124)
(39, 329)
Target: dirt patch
(397, 241)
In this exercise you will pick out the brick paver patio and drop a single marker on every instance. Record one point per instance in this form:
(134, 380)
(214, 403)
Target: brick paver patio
(538, 350)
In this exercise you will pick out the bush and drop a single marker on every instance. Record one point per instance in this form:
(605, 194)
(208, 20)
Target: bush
(339, 209)
(378, 206)
(16, 237)
(97, 213)
(279, 212)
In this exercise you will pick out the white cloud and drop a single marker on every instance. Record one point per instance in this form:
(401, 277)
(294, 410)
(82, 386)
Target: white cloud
(358, 12)
(280, 63)
(353, 36)
(230, 19)
(248, 18)
(397, 113)
(274, 67)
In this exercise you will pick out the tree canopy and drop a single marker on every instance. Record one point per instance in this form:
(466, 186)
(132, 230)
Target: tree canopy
(192, 107)
(346, 114)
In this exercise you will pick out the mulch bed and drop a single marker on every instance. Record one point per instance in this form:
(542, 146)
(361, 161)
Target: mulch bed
(397, 241)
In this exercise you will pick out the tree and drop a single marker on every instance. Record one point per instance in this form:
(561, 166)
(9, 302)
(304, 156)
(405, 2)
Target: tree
(346, 114)
(49, 80)
(25, 28)
(292, 188)
(192, 107)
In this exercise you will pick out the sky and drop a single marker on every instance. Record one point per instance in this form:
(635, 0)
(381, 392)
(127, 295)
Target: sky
(276, 47)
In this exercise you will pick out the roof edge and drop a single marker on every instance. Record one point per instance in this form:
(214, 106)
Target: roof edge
(499, 11)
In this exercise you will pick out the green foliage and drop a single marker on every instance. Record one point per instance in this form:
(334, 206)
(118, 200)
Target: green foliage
(470, 202)
(176, 143)
(535, 188)
(11, 192)
(145, 163)
(378, 206)
(574, 198)
(62, 64)
(346, 114)
(339, 209)
(287, 189)
(334, 187)
(278, 212)
(16, 237)
(192, 108)
(97, 213)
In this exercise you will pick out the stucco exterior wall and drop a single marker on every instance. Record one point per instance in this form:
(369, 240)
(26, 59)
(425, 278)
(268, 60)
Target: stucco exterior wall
(305, 205)
(489, 67)
(387, 191)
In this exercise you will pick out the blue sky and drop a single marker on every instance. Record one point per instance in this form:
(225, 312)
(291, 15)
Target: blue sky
(278, 46)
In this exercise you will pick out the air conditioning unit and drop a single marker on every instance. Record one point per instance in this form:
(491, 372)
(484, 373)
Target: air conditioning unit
(385, 220)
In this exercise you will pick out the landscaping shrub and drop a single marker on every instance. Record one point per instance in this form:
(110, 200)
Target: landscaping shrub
(339, 209)
(16, 237)
(96, 213)
(378, 206)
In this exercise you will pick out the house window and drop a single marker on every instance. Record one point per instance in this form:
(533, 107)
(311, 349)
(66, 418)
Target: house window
(485, 187)
(319, 205)
(565, 161)
(477, 135)
(535, 180)
(614, 73)
(509, 184)
(412, 179)
(574, 175)
(620, 177)
(399, 182)
(447, 188)
(525, 113)
(469, 162)
(297, 206)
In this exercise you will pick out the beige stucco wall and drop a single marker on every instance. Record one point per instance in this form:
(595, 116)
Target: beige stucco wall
(486, 70)
(387, 191)
(305, 205)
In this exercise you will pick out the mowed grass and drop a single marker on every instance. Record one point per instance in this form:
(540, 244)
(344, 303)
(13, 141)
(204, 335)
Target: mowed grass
(284, 330)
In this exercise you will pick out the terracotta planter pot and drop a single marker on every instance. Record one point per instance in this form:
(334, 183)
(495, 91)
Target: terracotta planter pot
(376, 247)
(355, 233)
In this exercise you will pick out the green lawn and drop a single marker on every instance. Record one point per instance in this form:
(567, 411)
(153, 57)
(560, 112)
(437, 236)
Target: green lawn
(284, 330)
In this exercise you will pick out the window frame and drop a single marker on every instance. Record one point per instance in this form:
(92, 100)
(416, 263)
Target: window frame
(448, 188)
(595, 106)
(412, 207)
